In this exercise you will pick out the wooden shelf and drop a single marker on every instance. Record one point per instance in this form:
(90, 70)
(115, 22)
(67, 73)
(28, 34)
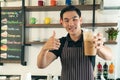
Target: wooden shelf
(44, 26)
(10, 61)
(58, 8)
(60, 26)
(100, 24)
(38, 42)
(50, 8)
(11, 8)
(110, 42)
(35, 42)
(11, 0)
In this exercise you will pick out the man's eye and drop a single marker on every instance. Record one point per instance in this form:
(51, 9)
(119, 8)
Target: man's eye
(74, 19)
(65, 20)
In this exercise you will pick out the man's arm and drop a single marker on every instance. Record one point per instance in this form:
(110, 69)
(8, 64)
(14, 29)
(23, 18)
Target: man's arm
(45, 57)
(102, 51)
(105, 53)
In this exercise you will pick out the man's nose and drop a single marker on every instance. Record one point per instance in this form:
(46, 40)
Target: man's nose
(71, 22)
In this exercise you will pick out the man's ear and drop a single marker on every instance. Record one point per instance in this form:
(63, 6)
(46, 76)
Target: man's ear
(60, 20)
(80, 20)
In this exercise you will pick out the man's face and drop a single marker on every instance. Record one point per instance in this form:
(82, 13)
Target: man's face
(71, 22)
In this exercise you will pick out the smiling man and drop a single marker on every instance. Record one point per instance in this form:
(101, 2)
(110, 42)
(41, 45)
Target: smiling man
(70, 49)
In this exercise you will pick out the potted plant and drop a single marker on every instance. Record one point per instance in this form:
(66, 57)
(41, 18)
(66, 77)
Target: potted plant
(112, 34)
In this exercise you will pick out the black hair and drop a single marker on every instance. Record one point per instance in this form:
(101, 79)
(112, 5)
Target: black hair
(70, 8)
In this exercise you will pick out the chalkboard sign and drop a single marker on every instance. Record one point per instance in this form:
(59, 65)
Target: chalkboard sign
(11, 35)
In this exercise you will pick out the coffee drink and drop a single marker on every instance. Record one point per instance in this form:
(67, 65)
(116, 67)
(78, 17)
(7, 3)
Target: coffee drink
(89, 47)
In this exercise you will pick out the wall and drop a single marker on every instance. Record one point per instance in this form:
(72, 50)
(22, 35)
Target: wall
(39, 34)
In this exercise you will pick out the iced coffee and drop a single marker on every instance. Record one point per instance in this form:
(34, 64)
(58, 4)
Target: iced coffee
(89, 47)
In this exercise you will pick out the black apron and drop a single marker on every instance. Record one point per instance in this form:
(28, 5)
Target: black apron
(75, 66)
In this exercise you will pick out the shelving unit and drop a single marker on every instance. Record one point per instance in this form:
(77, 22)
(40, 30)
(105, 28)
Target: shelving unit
(58, 8)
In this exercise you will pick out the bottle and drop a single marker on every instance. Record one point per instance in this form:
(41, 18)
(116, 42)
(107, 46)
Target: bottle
(105, 71)
(111, 68)
(99, 67)
(111, 71)
(99, 70)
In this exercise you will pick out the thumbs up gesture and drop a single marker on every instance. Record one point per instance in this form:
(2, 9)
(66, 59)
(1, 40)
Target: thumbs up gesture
(52, 43)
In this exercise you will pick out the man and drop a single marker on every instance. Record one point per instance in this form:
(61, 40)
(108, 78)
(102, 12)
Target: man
(70, 49)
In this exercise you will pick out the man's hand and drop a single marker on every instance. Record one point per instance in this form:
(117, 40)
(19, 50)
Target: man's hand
(98, 41)
(52, 43)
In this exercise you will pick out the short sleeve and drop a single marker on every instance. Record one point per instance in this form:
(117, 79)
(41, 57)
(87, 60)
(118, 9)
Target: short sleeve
(59, 51)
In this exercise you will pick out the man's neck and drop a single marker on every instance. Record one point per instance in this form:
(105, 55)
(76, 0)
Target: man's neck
(76, 37)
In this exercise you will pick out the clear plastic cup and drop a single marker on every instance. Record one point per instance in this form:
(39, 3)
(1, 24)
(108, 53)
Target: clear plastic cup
(89, 47)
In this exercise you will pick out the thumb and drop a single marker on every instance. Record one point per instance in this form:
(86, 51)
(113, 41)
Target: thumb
(54, 34)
